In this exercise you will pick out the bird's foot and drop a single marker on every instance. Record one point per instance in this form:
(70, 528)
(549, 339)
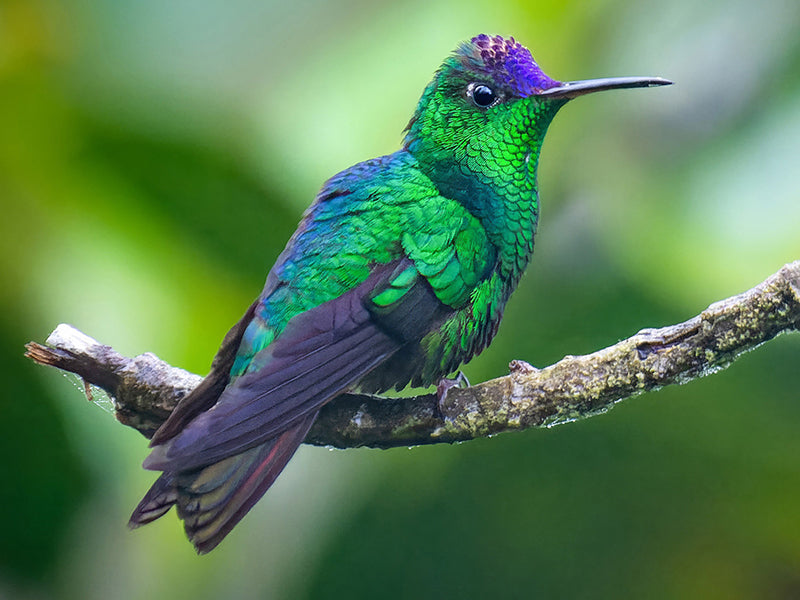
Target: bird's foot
(445, 385)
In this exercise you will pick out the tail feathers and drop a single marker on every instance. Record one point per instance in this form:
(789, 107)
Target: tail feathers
(156, 502)
(213, 499)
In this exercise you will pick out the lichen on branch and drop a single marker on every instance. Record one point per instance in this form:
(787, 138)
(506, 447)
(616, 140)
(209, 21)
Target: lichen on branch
(145, 389)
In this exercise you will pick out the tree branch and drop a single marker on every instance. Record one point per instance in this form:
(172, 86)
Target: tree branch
(145, 389)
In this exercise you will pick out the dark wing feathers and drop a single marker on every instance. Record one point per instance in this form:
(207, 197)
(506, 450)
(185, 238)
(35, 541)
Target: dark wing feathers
(205, 395)
(414, 315)
(321, 353)
(254, 421)
(219, 456)
(157, 501)
(290, 385)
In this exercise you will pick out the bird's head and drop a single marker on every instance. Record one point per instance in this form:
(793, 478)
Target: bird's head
(490, 101)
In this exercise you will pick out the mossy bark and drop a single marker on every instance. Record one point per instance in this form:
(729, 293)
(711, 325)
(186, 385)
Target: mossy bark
(145, 389)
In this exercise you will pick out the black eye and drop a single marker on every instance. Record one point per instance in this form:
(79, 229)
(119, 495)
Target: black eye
(482, 95)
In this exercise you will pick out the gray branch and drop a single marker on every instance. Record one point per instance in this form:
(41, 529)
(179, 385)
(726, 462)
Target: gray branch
(145, 389)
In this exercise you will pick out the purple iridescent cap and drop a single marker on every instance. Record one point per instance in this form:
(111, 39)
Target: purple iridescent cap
(507, 61)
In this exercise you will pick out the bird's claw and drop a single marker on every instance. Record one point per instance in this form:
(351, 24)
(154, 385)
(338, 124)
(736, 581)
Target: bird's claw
(445, 385)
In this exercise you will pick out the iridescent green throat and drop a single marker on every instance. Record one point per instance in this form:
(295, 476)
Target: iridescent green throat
(490, 168)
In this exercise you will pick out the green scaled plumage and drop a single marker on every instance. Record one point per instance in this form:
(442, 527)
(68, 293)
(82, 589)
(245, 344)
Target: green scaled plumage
(398, 273)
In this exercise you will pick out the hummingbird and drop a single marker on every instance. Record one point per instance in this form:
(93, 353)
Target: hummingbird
(397, 274)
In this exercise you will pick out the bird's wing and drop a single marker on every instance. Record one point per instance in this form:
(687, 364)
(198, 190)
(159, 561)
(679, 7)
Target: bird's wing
(205, 395)
(377, 262)
(319, 354)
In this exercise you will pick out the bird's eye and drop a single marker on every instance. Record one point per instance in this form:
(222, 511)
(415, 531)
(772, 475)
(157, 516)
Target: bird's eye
(482, 95)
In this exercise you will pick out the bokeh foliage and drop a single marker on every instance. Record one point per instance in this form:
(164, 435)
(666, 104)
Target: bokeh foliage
(155, 157)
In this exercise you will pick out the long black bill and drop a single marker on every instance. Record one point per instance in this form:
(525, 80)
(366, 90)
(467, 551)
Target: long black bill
(573, 89)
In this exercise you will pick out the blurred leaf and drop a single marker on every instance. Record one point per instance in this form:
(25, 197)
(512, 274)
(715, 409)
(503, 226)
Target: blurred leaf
(44, 483)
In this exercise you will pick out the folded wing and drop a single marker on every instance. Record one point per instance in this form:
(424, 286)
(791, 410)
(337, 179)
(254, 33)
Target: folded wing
(320, 354)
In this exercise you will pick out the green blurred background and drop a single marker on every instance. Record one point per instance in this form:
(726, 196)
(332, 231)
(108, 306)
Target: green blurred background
(154, 159)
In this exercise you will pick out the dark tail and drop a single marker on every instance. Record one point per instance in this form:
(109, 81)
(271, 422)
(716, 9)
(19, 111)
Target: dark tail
(213, 499)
